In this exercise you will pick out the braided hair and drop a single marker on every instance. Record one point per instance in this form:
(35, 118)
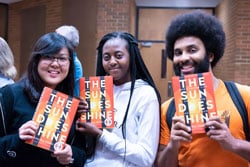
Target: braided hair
(138, 69)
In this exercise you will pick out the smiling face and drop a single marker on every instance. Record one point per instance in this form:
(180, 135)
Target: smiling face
(115, 60)
(54, 70)
(190, 56)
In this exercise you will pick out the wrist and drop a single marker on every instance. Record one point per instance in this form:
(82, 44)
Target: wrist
(99, 135)
(71, 161)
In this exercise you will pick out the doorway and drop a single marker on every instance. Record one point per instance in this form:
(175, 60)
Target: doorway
(151, 26)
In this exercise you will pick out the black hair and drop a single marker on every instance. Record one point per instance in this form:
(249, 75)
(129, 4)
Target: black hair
(199, 24)
(47, 45)
(138, 69)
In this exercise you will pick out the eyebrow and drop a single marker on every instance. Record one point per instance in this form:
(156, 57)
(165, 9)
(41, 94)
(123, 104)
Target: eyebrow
(62, 55)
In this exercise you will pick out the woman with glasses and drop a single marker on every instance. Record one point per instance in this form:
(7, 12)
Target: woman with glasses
(51, 64)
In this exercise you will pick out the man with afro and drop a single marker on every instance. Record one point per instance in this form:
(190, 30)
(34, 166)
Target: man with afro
(195, 42)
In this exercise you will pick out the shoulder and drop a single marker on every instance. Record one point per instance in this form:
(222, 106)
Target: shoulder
(245, 92)
(165, 131)
(9, 95)
(5, 81)
(12, 91)
(12, 88)
(243, 88)
(164, 106)
(166, 114)
(142, 88)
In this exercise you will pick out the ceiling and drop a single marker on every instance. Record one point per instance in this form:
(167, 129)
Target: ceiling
(162, 3)
(9, 1)
(178, 3)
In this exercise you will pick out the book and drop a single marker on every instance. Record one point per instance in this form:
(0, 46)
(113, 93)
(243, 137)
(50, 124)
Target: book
(194, 99)
(54, 115)
(98, 92)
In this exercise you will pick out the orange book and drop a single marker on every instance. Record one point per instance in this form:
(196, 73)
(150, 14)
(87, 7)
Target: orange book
(194, 99)
(54, 115)
(98, 92)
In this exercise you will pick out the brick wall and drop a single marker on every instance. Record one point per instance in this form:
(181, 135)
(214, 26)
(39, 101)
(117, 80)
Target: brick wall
(114, 15)
(53, 19)
(235, 16)
(242, 42)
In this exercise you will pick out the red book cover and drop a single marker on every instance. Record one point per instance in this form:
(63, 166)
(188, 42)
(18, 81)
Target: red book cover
(54, 115)
(98, 92)
(194, 99)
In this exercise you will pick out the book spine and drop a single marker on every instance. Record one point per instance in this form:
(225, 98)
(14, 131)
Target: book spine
(62, 121)
(185, 102)
(88, 100)
(203, 99)
(45, 116)
(103, 108)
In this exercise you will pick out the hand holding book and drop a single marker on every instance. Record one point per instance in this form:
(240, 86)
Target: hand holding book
(98, 92)
(82, 107)
(28, 130)
(194, 99)
(89, 128)
(180, 131)
(64, 156)
(54, 116)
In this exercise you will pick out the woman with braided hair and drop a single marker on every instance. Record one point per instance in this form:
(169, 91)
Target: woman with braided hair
(133, 141)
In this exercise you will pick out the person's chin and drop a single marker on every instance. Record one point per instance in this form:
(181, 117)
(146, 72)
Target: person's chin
(187, 72)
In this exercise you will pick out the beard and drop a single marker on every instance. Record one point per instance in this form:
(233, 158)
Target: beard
(199, 67)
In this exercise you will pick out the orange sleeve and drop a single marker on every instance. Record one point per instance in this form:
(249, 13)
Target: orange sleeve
(165, 132)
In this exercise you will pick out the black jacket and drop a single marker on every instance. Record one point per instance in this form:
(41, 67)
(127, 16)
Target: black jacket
(14, 152)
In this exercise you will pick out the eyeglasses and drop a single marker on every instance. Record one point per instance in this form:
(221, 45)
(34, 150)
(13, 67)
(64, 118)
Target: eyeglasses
(61, 60)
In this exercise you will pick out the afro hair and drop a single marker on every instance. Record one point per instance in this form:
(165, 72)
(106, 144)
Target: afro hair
(199, 24)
